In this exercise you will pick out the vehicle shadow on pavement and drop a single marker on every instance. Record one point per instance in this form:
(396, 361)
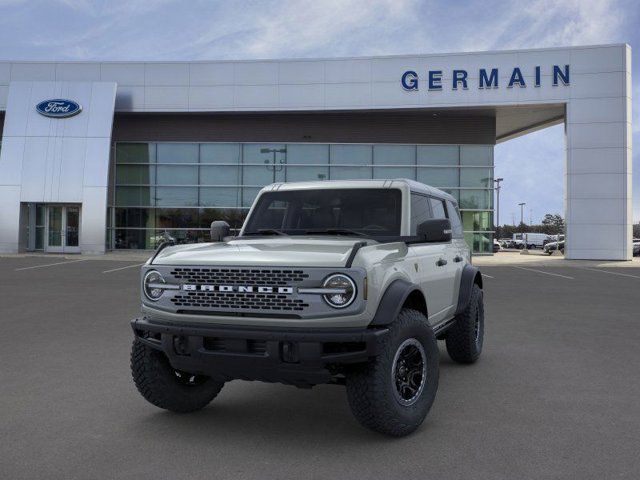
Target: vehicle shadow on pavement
(275, 412)
(280, 413)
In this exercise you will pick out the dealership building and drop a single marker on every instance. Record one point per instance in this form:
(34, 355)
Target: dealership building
(99, 156)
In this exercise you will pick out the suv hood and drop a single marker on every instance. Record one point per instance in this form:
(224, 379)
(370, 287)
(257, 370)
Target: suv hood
(325, 251)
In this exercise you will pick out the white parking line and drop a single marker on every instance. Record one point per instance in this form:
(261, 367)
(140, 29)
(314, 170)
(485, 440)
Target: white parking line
(51, 264)
(487, 276)
(610, 273)
(544, 273)
(122, 268)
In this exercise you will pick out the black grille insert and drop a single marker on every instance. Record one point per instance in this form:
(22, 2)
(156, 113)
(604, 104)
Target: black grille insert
(238, 301)
(239, 276)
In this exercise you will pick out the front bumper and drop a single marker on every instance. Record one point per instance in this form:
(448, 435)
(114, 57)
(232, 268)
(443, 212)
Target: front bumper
(301, 357)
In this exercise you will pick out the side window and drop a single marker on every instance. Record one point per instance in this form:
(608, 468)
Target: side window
(420, 211)
(454, 216)
(437, 208)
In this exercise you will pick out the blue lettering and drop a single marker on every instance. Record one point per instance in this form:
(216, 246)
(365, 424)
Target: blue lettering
(410, 80)
(435, 79)
(559, 74)
(516, 77)
(491, 81)
(458, 77)
(487, 78)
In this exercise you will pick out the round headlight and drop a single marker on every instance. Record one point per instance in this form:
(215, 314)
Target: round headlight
(344, 290)
(150, 285)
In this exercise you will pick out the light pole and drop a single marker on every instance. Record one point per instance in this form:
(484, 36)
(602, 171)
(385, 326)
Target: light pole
(497, 182)
(274, 165)
(522, 212)
(525, 250)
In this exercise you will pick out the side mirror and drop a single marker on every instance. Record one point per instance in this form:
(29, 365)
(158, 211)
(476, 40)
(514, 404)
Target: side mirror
(219, 230)
(435, 230)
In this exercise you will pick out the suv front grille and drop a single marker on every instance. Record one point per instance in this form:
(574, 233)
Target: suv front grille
(248, 291)
(238, 301)
(239, 276)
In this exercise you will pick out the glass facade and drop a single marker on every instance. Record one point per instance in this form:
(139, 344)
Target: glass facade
(180, 188)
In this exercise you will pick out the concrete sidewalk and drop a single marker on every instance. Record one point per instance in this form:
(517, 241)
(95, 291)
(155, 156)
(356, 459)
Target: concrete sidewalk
(537, 258)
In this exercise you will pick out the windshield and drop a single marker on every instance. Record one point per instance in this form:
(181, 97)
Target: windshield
(370, 212)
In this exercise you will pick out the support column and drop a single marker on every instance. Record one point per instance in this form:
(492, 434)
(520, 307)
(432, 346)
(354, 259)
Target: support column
(598, 207)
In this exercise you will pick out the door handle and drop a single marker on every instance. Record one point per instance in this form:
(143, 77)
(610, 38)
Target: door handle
(457, 258)
(441, 263)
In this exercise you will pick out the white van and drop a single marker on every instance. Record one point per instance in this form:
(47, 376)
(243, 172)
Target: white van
(531, 240)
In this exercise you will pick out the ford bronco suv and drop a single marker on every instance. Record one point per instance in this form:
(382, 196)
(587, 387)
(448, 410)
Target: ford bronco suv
(341, 282)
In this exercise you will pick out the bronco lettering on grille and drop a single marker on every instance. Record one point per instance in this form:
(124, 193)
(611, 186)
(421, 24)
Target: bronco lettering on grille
(237, 288)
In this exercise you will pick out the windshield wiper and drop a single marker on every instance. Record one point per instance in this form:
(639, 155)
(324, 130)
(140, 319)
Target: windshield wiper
(335, 231)
(267, 231)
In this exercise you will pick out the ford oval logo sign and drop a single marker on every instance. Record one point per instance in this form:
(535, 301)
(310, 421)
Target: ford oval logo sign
(58, 108)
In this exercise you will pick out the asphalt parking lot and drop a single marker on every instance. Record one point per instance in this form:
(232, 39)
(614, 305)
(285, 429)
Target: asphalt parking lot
(555, 394)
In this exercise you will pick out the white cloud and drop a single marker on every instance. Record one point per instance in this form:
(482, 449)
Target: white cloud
(339, 25)
(570, 22)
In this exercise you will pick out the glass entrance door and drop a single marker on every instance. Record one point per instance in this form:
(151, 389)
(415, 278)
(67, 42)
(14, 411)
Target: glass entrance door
(54, 229)
(72, 229)
(62, 229)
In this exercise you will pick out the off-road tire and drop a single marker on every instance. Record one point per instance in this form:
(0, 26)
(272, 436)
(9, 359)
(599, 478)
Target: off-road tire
(160, 384)
(464, 342)
(370, 387)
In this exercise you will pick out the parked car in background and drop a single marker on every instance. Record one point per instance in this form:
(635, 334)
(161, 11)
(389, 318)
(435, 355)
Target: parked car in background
(554, 238)
(496, 246)
(552, 246)
(636, 247)
(517, 241)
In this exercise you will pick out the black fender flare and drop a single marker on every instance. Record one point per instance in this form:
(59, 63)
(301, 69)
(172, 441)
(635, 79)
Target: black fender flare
(392, 301)
(470, 275)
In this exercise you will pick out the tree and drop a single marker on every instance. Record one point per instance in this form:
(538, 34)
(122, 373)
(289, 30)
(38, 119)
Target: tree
(554, 223)
(636, 230)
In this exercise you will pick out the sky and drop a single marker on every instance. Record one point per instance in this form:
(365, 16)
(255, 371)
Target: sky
(532, 166)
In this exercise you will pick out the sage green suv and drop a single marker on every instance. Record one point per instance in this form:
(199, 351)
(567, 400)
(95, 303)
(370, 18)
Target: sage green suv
(342, 282)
